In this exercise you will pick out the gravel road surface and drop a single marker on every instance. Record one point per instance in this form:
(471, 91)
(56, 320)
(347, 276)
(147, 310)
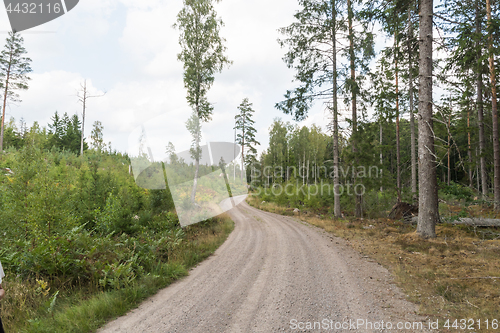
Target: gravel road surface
(276, 274)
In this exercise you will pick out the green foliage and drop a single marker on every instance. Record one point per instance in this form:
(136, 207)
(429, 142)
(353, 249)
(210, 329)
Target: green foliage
(129, 269)
(65, 133)
(456, 191)
(202, 52)
(97, 136)
(77, 220)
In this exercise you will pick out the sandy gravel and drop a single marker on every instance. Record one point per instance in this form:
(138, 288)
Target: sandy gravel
(274, 274)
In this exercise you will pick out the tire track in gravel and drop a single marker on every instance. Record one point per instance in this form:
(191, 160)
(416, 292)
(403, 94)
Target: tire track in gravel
(270, 271)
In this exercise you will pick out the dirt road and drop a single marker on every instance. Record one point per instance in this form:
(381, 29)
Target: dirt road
(274, 274)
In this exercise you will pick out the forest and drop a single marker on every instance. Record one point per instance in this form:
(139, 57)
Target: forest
(394, 131)
(415, 121)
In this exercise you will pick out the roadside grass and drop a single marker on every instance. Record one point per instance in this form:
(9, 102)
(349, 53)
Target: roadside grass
(455, 276)
(30, 306)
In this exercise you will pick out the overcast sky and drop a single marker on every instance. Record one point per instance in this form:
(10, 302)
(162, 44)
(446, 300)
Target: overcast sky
(127, 49)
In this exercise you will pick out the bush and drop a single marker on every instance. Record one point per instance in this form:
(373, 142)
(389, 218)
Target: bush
(456, 191)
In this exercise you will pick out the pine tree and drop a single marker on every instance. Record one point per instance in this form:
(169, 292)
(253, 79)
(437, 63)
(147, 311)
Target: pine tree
(312, 42)
(428, 213)
(359, 54)
(494, 109)
(479, 97)
(14, 69)
(246, 136)
(393, 16)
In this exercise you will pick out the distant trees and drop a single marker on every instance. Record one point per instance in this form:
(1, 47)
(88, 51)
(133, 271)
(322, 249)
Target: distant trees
(202, 56)
(296, 154)
(14, 70)
(65, 133)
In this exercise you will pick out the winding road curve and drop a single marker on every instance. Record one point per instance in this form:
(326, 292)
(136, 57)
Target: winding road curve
(273, 274)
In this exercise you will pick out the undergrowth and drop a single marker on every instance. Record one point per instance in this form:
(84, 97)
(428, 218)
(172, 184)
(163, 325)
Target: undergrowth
(35, 305)
(81, 242)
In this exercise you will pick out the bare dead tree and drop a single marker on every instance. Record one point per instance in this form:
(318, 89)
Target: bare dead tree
(83, 95)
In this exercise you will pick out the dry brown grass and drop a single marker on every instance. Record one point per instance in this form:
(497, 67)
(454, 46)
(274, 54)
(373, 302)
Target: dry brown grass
(450, 277)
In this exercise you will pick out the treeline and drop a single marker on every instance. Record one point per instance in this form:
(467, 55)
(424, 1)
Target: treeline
(297, 168)
(63, 133)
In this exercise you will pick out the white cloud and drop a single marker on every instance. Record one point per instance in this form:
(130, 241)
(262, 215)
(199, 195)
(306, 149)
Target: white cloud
(129, 48)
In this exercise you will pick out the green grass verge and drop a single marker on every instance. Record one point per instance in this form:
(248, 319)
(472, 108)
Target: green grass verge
(87, 315)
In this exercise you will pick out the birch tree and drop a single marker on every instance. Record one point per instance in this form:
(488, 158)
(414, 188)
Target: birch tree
(202, 56)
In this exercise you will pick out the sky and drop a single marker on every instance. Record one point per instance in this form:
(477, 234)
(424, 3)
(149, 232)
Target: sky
(126, 50)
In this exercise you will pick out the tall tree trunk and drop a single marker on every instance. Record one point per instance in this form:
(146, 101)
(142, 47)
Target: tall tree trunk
(243, 149)
(428, 214)
(449, 150)
(494, 111)
(381, 159)
(196, 172)
(480, 116)
(336, 183)
(197, 159)
(469, 151)
(413, 149)
(84, 101)
(304, 169)
(307, 180)
(350, 16)
(398, 146)
(478, 175)
(5, 94)
(234, 155)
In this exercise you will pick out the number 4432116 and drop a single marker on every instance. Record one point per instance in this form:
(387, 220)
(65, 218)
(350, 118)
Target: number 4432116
(35, 8)
(471, 324)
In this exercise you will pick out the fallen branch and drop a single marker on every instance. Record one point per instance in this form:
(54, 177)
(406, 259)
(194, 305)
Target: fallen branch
(477, 307)
(478, 222)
